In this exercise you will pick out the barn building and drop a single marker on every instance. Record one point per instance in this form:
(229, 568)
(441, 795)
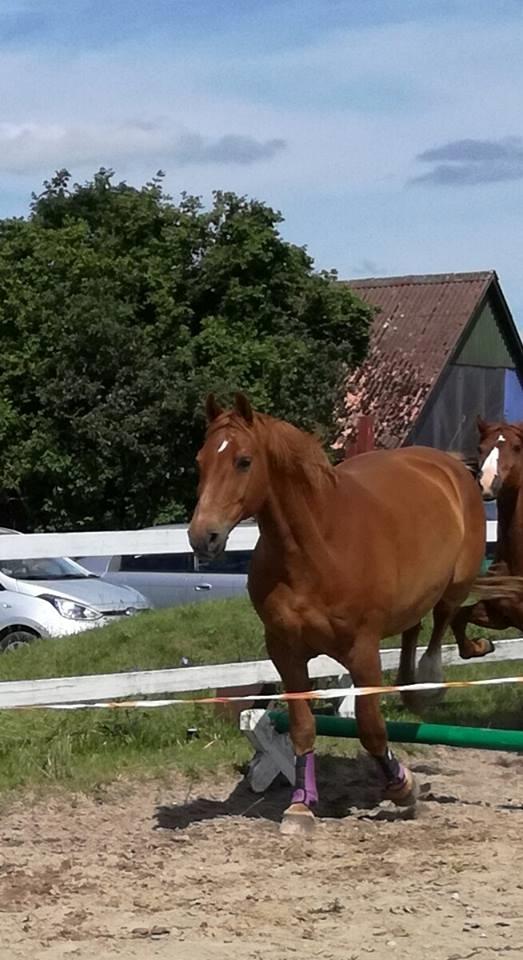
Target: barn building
(444, 348)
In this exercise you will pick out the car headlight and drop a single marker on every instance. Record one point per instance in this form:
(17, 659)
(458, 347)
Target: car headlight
(71, 610)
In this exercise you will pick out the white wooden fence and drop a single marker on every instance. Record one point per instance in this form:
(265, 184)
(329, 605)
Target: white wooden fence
(113, 686)
(67, 690)
(128, 542)
(105, 543)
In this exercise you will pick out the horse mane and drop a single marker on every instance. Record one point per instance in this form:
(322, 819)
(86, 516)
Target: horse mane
(291, 451)
(295, 453)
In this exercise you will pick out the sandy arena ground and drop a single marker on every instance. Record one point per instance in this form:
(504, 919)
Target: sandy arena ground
(163, 870)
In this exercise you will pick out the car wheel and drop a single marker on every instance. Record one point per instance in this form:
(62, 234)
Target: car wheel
(16, 639)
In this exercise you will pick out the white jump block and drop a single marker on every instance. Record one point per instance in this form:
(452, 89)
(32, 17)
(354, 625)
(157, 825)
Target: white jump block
(274, 752)
(347, 707)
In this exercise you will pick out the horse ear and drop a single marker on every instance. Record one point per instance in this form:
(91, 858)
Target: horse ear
(482, 425)
(212, 408)
(243, 407)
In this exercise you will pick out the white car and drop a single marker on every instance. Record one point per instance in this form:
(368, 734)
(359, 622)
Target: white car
(55, 597)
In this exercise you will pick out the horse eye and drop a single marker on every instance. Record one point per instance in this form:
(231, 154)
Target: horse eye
(243, 463)
(517, 448)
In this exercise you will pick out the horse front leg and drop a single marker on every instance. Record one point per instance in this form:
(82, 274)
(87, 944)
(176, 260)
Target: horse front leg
(364, 663)
(298, 818)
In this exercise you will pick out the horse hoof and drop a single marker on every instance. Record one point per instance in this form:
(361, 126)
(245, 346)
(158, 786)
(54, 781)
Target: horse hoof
(403, 794)
(420, 701)
(298, 821)
(481, 648)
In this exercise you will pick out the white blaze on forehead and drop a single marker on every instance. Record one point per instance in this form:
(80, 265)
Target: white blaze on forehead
(501, 439)
(223, 446)
(489, 470)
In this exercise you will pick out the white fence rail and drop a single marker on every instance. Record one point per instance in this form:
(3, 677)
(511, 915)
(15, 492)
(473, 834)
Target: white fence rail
(128, 542)
(67, 690)
(104, 543)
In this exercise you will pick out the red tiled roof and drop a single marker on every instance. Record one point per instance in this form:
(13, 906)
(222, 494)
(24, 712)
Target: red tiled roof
(414, 334)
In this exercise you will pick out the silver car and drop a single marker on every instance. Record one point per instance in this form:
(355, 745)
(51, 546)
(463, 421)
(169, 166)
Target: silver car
(170, 579)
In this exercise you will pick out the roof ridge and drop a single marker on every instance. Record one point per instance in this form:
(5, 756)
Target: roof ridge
(422, 278)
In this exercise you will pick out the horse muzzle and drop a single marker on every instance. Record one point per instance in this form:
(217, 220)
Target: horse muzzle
(208, 542)
(490, 490)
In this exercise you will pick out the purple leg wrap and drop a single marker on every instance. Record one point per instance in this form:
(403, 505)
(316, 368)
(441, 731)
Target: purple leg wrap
(305, 787)
(392, 768)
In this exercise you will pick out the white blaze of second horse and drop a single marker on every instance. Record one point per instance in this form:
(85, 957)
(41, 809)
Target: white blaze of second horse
(489, 470)
(223, 446)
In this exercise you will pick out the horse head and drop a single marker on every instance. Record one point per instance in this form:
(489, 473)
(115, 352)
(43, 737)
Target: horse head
(233, 476)
(500, 457)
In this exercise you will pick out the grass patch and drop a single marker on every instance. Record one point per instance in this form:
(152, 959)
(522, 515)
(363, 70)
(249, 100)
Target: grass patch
(224, 631)
(498, 707)
(86, 749)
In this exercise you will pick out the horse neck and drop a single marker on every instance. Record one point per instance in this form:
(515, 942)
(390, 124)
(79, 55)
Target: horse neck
(510, 529)
(292, 521)
(294, 516)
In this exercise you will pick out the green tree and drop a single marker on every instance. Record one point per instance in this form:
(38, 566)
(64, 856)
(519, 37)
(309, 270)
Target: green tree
(119, 310)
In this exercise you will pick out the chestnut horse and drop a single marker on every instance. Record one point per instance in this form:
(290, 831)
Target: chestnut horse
(347, 555)
(500, 477)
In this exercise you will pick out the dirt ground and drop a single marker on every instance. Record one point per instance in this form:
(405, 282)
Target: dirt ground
(163, 870)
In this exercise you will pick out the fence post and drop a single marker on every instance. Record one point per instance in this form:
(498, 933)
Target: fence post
(364, 438)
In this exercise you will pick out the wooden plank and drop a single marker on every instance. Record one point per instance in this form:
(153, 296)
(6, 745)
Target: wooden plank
(113, 543)
(505, 650)
(112, 686)
(491, 531)
(104, 543)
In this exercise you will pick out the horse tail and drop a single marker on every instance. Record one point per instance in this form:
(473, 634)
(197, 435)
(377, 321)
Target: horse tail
(492, 586)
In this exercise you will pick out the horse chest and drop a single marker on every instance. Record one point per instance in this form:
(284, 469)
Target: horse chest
(300, 619)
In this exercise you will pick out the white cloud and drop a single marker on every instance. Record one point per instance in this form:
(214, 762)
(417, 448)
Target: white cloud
(31, 148)
(355, 108)
(337, 143)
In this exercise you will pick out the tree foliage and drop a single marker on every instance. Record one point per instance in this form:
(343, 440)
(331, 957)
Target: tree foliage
(119, 310)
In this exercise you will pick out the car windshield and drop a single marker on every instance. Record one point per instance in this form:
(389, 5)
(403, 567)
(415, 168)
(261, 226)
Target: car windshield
(57, 568)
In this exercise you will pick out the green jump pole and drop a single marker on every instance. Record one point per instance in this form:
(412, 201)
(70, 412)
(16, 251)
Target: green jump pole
(435, 733)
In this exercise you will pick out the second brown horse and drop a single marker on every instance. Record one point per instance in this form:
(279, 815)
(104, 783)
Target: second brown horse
(500, 476)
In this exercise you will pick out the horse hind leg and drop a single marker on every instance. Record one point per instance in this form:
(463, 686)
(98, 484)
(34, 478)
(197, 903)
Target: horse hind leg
(364, 664)
(430, 667)
(407, 665)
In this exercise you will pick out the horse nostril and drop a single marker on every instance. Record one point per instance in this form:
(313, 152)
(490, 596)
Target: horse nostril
(213, 538)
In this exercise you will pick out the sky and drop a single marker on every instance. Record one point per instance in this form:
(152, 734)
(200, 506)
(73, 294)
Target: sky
(389, 133)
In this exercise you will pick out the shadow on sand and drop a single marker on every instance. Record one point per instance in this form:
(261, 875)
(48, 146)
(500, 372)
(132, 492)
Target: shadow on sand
(346, 787)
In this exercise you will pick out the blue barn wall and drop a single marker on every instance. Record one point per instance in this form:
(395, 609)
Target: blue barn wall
(484, 377)
(448, 422)
(513, 404)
